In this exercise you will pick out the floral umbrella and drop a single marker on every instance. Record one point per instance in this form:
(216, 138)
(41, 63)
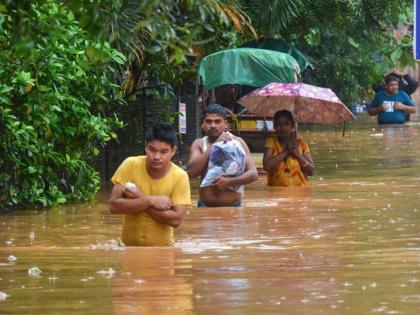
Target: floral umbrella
(308, 103)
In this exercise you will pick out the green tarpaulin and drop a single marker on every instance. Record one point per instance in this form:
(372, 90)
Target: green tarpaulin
(282, 46)
(248, 66)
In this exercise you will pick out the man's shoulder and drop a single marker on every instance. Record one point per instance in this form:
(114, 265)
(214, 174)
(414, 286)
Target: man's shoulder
(199, 140)
(380, 93)
(178, 171)
(135, 160)
(237, 138)
(402, 94)
(241, 140)
(197, 143)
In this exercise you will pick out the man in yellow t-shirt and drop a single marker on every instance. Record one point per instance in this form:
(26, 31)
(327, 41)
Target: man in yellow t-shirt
(158, 201)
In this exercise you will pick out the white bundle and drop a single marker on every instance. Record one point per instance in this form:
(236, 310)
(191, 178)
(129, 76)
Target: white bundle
(130, 185)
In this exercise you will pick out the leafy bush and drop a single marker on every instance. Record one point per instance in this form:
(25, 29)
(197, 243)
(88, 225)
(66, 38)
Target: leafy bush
(55, 99)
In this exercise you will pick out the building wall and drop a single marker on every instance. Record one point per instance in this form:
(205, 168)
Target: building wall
(138, 117)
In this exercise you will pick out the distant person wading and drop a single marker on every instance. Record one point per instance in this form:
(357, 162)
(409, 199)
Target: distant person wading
(222, 160)
(391, 105)
(406, 83)
(151, 192)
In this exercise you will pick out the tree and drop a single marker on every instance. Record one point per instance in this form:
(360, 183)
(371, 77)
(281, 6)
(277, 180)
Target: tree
(158, 37)
(61, 70)
(55, 95)
(351, 42)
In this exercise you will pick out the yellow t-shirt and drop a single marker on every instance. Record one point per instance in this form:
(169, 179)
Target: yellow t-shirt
(140, 229)
(288, 172)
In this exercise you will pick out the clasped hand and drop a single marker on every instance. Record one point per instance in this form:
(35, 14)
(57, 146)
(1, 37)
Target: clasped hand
(221, 183)
(225, 136)
(157, 202)
(397, 106)
(293, 147)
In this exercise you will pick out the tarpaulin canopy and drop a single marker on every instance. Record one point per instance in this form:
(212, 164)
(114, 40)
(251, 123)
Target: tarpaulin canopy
(282, 46)
(248, 66)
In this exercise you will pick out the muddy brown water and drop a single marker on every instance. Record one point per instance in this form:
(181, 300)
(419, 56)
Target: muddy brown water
(349, 244)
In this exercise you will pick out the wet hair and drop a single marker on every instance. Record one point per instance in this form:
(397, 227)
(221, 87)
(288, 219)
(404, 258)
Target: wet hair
(215, 108)
(163, 132)
(284, 113)
(391, 78)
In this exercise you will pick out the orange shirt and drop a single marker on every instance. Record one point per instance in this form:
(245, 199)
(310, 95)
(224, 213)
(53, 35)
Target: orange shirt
(288, 172)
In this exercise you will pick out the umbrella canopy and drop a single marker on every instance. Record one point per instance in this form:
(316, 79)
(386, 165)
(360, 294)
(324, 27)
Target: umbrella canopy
(282, 46)
(248, 66)
(308, 103)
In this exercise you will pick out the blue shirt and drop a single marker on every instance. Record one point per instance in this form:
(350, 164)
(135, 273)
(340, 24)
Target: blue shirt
(391, 116)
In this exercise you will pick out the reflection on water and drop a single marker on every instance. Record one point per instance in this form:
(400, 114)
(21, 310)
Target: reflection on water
(151, 281)
(348, 244)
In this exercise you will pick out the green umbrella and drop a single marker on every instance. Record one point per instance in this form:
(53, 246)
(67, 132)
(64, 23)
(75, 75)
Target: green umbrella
(248, 66)
(282, 46)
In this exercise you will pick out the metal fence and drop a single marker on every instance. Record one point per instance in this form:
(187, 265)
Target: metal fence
(152, 105)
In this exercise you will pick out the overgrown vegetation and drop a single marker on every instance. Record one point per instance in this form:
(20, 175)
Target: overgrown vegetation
(350, 42)
(55, 100)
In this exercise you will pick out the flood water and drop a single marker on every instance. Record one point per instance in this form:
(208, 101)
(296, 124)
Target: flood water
(349, 244)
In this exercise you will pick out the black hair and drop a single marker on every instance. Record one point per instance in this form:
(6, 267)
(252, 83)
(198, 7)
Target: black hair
(284, 113)
(163, 132)
(391, 78)
(215, 109)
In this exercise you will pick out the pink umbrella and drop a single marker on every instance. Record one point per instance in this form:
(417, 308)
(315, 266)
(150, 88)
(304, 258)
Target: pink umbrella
(308, 103)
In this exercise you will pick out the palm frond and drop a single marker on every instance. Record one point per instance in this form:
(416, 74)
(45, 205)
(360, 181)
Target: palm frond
(123, 33)
(239, 18)
(280, 13)
(273, 16)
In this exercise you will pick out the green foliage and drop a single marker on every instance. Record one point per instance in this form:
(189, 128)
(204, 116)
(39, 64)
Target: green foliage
(350, 42)
(159, 36)
(55, 100)
(348, 67)
(272, 16)
(357, 44)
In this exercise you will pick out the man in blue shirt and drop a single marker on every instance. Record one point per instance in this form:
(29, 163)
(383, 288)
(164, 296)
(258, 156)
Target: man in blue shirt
(391, 105)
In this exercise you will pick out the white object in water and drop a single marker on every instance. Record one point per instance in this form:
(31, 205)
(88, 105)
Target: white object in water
(11, 258)
(130, 185)
(377, 135)
(110, 272)
(34, 271)
(3, 296)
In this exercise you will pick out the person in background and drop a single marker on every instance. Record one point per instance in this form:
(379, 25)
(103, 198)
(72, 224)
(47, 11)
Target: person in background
(406, 84)
(287, 159)
(223, 190)
(391, 105)
(151, 192)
